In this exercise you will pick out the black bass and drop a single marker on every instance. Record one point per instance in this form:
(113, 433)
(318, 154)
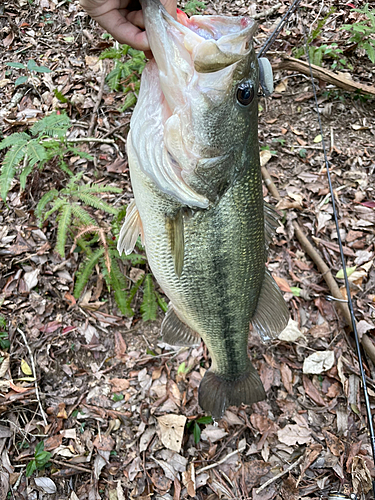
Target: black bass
(194, 163)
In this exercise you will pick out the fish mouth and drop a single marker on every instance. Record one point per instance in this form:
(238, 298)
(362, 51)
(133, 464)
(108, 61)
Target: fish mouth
(187, 47)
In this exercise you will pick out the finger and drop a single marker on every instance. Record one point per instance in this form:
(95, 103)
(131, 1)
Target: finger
(123, 31)
(136, 18)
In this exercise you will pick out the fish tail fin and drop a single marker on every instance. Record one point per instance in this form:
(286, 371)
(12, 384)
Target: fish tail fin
(217, 393)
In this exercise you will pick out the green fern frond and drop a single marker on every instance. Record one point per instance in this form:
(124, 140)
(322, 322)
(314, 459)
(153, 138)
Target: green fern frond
(58, 204)
(82, 215)
(149, 306)
(17, 138)
(23, 175)
(63, 220)
(64, 167)
(118, 283)
(53, 125)
(162, 303)
(135, 259)
(45, 199)
(35, 152)
(95, 202)
(11, 161)
(78, 152)
(85, 271)
(99, 188)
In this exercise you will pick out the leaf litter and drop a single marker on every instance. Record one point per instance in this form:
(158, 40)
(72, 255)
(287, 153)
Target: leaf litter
(120, 409)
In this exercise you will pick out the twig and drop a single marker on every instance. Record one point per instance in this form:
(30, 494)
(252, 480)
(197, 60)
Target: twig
(268, 12)
(220, 461)
(97, 102)
(273, 479)
(34, 375)
(292, 64)
(72, 466)
(269, 184)
(92, 139)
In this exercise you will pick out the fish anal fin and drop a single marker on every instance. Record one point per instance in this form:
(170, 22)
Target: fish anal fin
(272, 314)
(130, 230)
(175, 227)
(176, 332)
(216, 393)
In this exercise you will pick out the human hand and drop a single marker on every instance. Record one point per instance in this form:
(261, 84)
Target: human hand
(123, 19)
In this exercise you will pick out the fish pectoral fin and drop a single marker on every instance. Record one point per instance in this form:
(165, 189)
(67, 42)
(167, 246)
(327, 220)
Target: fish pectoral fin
(215, 393)
(176, 332)
(272, 314)
(130, 230)
(175, 228)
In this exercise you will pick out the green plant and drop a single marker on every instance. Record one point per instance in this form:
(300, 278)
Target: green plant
(125, 76)
(363, 32)
(30, 68)
(68, 203)
(194, 426)
(46, 140)
(40, 460)
(193, 7)
(317, 53)
(4, 342)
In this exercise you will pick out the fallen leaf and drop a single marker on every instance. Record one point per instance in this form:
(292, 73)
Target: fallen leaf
(172, 431)
(31, 279)
(361, 477)
(119, 384)
(47, 485)
(286, 377)
(213, 434)
(312, 391)
(319, 362)
(334, 443)
(294, 434)
(282, 284)
(291, 332)
(188, 480)
(25, 368)
(265, 156)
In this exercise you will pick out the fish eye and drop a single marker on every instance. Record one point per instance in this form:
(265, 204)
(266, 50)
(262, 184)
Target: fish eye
(245, 93)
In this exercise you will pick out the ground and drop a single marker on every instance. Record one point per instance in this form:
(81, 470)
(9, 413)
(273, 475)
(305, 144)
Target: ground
(114, 408)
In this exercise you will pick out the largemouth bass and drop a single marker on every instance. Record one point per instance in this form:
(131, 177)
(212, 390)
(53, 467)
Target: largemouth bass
(194, 164)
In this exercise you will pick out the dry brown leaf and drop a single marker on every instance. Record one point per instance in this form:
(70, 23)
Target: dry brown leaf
(119, 384)
(172, 431)
(188, 480)
(361, 477)
(286, 377)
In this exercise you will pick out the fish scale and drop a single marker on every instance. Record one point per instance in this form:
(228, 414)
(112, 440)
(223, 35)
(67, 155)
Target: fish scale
(198, 196)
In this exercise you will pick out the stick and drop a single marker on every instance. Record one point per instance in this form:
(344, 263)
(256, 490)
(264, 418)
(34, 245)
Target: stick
(273, 479)
(34, 375)
(71, 466)
(292, 64)
(97, 102)
(268, 12)
(220, 461)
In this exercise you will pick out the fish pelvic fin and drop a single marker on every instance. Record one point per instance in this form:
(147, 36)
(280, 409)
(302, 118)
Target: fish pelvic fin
(272, 314)
(175, 228)
(176, 332)
(130, 230)
(215, 393)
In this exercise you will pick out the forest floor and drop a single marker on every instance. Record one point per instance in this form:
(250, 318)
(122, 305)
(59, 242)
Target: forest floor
(92, 404)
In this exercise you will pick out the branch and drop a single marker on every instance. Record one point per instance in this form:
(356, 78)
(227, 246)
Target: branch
(292, 64)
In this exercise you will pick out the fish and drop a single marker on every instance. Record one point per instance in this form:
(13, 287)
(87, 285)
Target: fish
(193, 156)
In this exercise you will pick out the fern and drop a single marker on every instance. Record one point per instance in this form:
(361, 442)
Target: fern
(118, 282)
(43, 202)
(149, 304)
(64, 222)
(11, 161)
(85, 271)
(53, 125)
(82, 215)
(95, 202)
(11, 140)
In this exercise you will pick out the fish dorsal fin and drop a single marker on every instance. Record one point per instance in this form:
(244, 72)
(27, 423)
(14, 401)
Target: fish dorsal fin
(130, 230)
(175, 332)
(271, 315)
(175, 228)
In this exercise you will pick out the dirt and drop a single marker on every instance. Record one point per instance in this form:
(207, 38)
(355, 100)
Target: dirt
(104, 382)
